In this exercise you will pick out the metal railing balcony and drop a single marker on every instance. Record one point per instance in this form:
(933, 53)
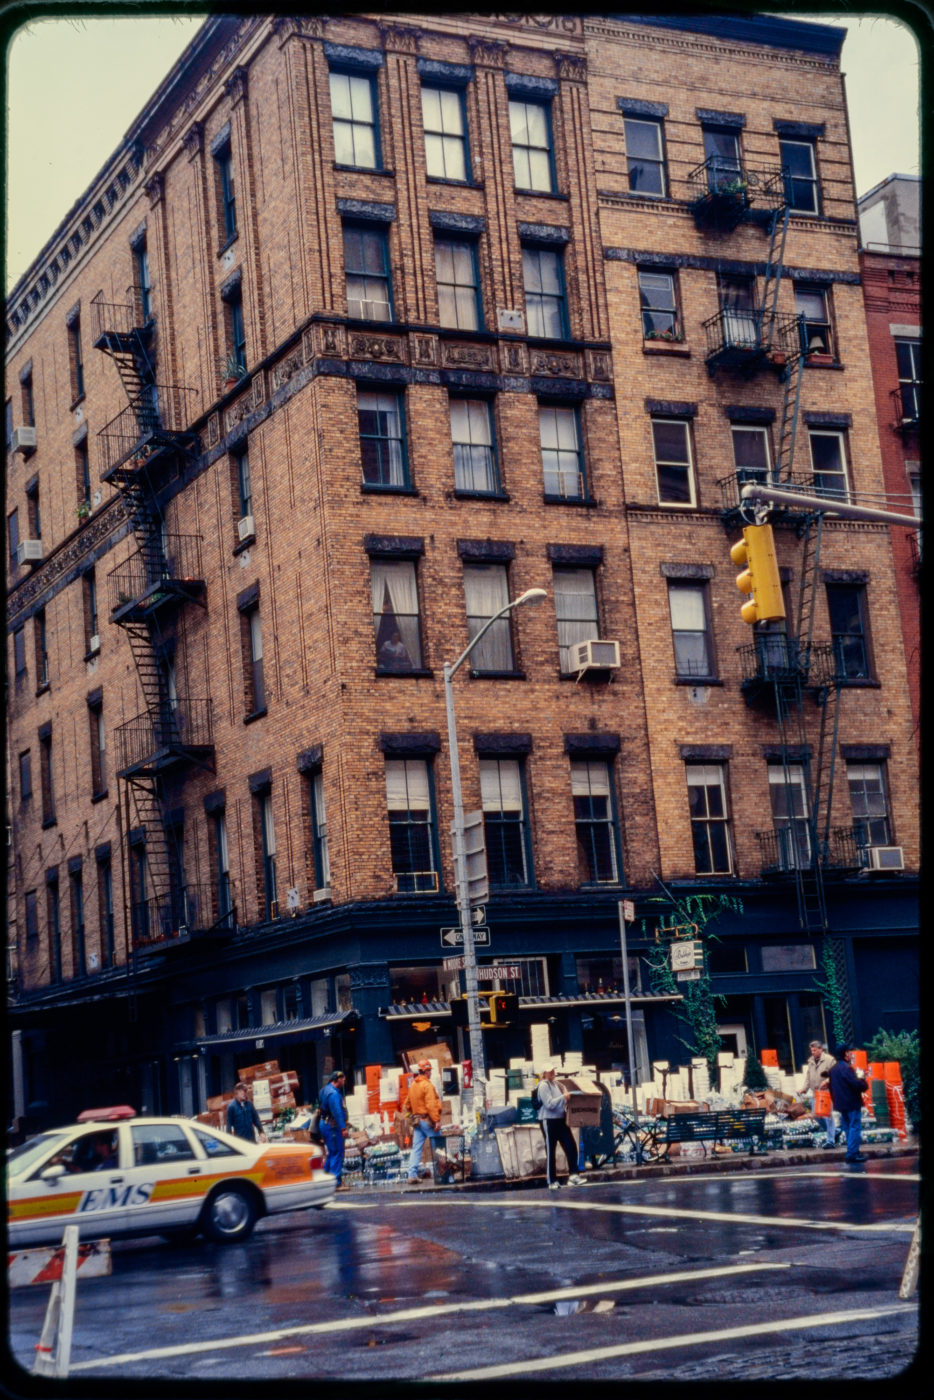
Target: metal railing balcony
(183, 913)
(775, 656)
(906, 407)
(738, 337)
(791, 848)
(149, 422)
(117, 321)
(150, 743)
(170, 568)
(726, 189)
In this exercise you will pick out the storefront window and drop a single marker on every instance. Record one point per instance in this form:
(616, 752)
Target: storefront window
(344, 995)
(606, 975)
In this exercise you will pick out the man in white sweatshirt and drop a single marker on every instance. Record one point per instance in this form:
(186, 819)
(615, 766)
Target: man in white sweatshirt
(551, 1114)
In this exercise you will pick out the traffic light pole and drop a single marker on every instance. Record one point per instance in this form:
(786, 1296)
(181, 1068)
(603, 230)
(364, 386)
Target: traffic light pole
(783, 495)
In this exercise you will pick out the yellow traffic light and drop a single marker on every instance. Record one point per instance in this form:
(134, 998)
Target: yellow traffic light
(760, 578)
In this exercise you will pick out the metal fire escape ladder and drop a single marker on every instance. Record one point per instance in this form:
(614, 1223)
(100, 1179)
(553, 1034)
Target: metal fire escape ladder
(778, 227)
(809, 879)
(811, 531)
(791, 405)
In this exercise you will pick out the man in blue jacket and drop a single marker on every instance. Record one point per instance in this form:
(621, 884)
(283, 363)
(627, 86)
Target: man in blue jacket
(242, 1117)
(846, 1094)
(332, 1120)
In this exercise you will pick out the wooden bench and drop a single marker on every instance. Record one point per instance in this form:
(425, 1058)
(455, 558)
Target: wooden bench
(736, 1125)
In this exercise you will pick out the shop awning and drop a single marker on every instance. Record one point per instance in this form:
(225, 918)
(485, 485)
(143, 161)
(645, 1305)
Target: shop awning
(274, 1032)
(428, 1010)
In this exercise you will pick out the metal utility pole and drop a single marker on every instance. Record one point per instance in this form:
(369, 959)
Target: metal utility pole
(477, 1096)
(762, 494)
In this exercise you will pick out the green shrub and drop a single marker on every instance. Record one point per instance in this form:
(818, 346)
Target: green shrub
(754, 1076)
(905, 1047)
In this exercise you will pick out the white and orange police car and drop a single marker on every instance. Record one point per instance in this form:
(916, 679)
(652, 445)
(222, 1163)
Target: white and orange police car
(119, 1174)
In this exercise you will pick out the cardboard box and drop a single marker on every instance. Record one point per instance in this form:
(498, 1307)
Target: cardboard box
(217, 1103)
(585, 1104)
(440, 1053)
(671, 1107)
(262, 1071)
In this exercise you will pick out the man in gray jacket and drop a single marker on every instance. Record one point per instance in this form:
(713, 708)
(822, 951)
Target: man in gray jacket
(551, 1115)
(819, 1064)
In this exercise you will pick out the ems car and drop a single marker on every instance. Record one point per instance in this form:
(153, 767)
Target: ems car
(120, 1174)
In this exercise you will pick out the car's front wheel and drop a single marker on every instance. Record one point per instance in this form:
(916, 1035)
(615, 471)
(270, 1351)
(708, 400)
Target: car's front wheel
(229, 1215)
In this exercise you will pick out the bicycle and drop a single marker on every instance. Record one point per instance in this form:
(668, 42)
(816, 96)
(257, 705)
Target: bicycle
(631, 1139)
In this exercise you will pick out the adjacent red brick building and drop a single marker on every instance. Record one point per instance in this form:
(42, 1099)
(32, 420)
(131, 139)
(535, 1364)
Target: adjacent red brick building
(368, 327)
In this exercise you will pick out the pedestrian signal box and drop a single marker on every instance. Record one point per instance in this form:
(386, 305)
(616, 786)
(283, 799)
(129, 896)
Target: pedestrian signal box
(496, 1009)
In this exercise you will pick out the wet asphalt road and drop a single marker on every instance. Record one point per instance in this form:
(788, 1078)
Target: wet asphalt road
(787, 1272)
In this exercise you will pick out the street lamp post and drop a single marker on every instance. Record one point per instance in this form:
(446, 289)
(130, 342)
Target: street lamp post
(477, 1097)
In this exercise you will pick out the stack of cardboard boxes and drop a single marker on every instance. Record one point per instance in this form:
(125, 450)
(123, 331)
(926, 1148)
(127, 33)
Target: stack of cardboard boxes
(272, 1091)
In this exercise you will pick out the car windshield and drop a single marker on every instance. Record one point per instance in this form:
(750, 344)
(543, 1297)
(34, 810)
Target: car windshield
(21, 1158)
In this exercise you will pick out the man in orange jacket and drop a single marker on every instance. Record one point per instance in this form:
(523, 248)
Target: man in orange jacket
(424, 1106)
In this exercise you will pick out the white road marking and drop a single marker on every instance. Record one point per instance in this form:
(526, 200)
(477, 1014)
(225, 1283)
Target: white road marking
(414, 1314)
(723, 1334)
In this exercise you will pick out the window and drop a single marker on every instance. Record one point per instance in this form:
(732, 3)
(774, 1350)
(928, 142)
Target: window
(575, 611)
(659, 306)
(504, 819)
(562, 459)
(28, 400)
(366, 264)
(256, 690)
(12, 525)
(811, 304)
(97, 736)
(395, 615)
(908, 359)
(459, 305)
(9, 428)
(45, 772)
(160, 1144)
(788, 796)
(445, 134)
(78, 950)
(738, 313)
(595, 822)
(19, 653)
(530, 130)
(645, 156)
(91, 619)
(846, 604)
(33, 513)
(54, 916)
(474, 454)
(799, 169)
(31, 917)
(236, 331)
(241, 464)
(411, 825)
(42, 649)
(869, 802)
(486, 590)
(222, 871)
(268, 853)
(751, 455)
(722, 155)
(710, 829)
(105, 898)
(25, 776)
(382, 440)
(76, 362)
(83, 473)
(225, 190)
(689, 606)
(353, 109)
(828, 463)
(674, 472)
(143, 281)
(319, 831)
(545, 302)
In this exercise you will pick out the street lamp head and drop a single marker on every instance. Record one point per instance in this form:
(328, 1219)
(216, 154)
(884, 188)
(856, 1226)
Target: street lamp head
(531, 595)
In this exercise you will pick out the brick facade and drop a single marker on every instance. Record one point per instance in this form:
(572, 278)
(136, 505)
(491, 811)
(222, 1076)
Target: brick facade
(259, 94)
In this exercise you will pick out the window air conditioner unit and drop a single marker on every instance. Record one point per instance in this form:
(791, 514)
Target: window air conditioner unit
(593, 656)
(24, 439)
(94, 645)
(29, 552)
(245, 527)
(318, 896)
(886, 858)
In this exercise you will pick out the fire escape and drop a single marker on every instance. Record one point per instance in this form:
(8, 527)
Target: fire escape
(784, 672)
(144, 448)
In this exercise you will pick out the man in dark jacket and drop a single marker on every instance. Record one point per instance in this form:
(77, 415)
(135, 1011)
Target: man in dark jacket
(242, 1117)
(846, 1093)
(332, 1121)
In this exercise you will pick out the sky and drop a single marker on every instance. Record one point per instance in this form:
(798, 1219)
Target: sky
(75, 86)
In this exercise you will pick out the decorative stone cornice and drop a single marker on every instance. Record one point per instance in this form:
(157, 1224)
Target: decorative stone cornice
(237, 85)
(286, 27)
(488, 53)
(551, 24)
(155, 189)
(69, 559)
(193, 140)
(399, 38)
(571, 67)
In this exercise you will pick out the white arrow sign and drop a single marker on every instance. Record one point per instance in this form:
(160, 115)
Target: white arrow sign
(454, 937)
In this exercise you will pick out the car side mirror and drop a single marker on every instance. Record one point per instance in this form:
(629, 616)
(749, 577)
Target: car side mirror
(53, 1172)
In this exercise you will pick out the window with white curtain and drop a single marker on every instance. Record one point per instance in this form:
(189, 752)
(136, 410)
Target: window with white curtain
(319, 832)
(595, 822)
(788, 796)
(472, 439)
(486, 590)
(575, 610)
(382, 439)
(504, 821)
(395, 614)
(562, 460)
(690, 629)
(411, 821)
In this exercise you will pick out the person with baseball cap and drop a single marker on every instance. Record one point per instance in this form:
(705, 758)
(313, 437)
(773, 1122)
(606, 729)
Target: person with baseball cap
(423, 1105)
(553, 1102)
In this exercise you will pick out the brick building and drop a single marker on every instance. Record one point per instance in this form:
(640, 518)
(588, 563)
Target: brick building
(365, 329)
(890, 266)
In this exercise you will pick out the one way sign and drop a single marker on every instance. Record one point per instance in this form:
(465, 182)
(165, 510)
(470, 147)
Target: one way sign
(454, 937)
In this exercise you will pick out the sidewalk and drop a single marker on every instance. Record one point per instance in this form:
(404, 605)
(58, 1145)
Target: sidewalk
(689, 1166)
